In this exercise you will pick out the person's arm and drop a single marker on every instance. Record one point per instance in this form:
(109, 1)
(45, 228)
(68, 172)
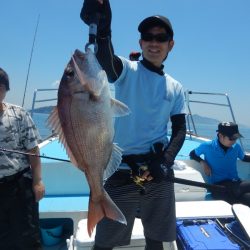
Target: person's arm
(241, 154)
(177, 138)
(203, 163)
(111, 63)
(195, 157)
(162, 161)
(246, 158)
(35, 163)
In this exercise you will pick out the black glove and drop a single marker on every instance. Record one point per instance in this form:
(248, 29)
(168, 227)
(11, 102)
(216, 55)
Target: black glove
(95, 12)
(159, 167)
(131, 162)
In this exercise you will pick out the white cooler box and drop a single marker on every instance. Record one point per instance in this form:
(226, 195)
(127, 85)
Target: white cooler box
(187, 192)
(82, 241)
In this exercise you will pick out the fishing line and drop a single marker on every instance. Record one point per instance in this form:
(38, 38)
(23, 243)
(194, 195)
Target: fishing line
(29, 154)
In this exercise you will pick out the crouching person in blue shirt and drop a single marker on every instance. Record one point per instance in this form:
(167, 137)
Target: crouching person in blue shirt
(220, 164)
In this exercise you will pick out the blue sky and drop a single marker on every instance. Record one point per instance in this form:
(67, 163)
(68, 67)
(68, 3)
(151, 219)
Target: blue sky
(211, 53)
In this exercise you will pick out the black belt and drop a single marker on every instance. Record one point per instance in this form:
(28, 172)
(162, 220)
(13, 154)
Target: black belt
(13, 177)
(135, 161)
(140, 158)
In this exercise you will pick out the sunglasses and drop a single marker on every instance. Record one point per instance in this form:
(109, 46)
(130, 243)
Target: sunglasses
(232, 139)
(161, 37)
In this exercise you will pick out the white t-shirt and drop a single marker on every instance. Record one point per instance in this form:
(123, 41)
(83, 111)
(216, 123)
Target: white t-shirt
(152, 99)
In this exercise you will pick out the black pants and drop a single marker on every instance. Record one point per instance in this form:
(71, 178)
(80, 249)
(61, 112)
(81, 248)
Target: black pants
(19, 219)
(237, 192)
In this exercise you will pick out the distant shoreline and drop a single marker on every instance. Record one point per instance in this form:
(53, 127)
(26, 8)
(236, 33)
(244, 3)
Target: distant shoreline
(197, 118)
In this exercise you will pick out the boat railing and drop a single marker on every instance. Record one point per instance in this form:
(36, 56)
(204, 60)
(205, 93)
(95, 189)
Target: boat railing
(192, 129)
(35, 101)
(189, 100)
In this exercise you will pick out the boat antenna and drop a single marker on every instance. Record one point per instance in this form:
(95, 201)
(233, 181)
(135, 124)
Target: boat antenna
(31, 54)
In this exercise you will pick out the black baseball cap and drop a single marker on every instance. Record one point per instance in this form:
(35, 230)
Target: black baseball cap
(156, 20)
(229, 129)
(4, 79)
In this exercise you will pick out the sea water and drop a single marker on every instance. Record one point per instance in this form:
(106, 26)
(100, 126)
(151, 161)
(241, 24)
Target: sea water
(202, 129)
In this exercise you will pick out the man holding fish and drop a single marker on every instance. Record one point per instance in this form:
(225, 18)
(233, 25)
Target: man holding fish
(153, 97)
(140, 186)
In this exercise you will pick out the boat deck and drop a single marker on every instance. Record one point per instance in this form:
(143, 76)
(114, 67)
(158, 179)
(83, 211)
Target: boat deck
(67, 191)
(184, 210)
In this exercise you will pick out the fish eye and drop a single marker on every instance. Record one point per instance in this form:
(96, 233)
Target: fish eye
(69, 72)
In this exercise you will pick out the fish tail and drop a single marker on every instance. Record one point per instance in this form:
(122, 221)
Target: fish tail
(103, 208)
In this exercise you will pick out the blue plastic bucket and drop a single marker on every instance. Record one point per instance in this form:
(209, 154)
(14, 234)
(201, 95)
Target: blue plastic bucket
(51, 233)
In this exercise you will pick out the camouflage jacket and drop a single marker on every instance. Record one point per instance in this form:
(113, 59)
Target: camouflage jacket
(17, 132)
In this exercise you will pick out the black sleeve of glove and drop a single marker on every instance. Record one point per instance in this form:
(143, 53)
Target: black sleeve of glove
(89, 9)
(177, 138)
(110, 63)
(93, 11)
(246, 158)
(195, 157)
(160, 166)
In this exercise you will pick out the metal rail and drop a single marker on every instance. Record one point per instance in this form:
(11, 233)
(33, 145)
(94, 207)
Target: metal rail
(189, 101)
(40, 100)
(227, 103)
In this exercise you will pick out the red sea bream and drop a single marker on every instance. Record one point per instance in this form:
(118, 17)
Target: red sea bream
(83, 119)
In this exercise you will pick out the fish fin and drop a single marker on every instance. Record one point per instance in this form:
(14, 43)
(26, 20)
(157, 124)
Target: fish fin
(104, 208)
(119, 108)
(54, 123)
(114, 162)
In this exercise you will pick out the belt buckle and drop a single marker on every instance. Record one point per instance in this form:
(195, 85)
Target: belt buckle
(142, 169)
(137, 178)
